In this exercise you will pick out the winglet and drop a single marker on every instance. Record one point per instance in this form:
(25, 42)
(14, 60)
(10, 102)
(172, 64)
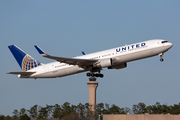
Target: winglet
(83, 53)
(41, 52)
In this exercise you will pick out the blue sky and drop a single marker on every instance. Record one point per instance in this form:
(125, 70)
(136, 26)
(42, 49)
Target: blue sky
(65, 28)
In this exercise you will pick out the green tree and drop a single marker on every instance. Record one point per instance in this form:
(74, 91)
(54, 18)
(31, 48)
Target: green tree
(139, 109)
(40, 116)
(33, 112)
(99, 109)
(57, 111)
(149, 109)
(158, 108)
(175, 109)
(71, 116)
(43, 112)
(24, 117)
(49, 108)
(106, 109)
(7, 117)
(107, 106)
(2, 117)
(73, 108)
(127, 110)
(88, 113)
(14, 117)
(114, 109)
(15, 112)
(86, 105)
(165, 109)
(100, 106)
(81, 110)
(66, 108)
(22, 111)
(135, 109)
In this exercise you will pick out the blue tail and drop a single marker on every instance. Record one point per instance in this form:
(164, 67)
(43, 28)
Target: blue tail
(25, 61)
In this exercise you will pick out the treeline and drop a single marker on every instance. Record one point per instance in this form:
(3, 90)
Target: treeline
(82, 111)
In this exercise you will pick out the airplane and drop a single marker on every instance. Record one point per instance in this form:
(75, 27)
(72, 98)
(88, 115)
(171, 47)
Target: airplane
(115, 58)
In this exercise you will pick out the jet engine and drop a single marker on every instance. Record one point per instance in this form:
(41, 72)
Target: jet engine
(103, 63)
(118, 66)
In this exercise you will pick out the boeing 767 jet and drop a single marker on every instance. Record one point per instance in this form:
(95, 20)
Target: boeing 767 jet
(116, 58)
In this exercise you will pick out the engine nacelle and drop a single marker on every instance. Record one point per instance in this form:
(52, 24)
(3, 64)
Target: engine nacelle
(103, 63)
(119, 66)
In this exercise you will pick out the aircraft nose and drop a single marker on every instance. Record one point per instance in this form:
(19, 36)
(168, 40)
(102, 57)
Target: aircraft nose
(170, 44)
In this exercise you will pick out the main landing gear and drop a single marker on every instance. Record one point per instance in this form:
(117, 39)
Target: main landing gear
(95, 75)
(161, 55)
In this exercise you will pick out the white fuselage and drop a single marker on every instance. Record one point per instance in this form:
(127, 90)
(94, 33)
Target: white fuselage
(120, 55)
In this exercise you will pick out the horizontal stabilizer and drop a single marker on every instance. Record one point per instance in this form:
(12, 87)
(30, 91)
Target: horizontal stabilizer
(22, 73)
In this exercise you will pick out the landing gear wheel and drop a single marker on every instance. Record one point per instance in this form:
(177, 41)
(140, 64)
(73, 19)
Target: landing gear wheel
(88, 74)
(161, 59)
(94, 75)
(101, 75)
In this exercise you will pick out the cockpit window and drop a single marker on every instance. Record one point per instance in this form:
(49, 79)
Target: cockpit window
(164, 41)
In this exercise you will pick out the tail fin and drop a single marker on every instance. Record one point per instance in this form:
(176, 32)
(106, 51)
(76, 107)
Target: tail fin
(25, 61)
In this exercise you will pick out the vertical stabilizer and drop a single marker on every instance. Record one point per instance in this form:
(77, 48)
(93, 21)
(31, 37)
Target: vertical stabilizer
(25, 61)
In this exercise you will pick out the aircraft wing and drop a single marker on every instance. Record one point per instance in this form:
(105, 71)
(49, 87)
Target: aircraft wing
(22, 73)
(71, 61)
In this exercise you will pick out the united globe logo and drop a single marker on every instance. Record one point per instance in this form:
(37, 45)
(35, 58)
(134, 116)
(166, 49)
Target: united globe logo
(29, 63)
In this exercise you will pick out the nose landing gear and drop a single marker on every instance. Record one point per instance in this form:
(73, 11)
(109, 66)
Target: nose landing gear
(161, 59)
(161, 55)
